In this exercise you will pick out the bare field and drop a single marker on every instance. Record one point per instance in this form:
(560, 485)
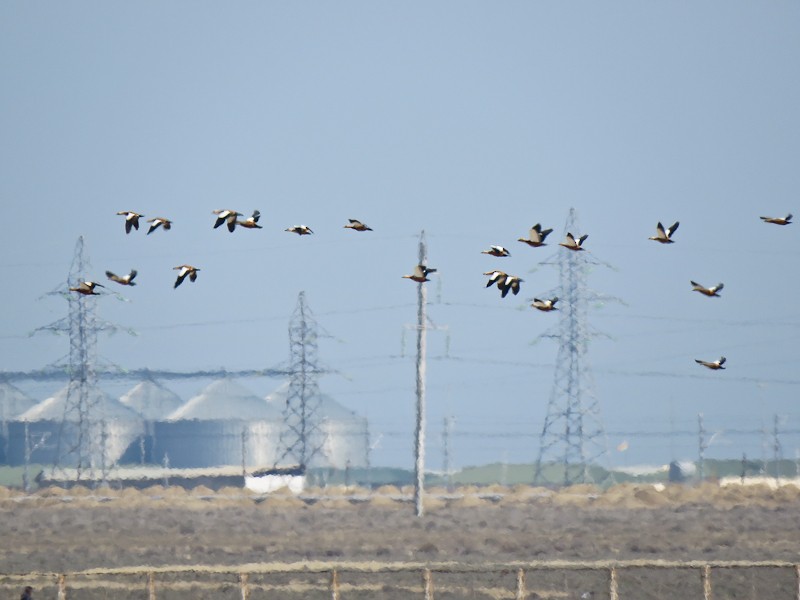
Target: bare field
(58, 530)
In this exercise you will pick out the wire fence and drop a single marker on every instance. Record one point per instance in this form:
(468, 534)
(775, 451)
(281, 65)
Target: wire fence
(614, 580)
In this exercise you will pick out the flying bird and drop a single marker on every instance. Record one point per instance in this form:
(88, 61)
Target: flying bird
(420, 274)
(664, 236)
(714, 366)
(712, 291)
(159, 222)
(572, 244)
(131, 220)
(496, 251)
(357, 225)
(86, 288)
(183, 271)
(252, 221)
(511, 282)
(545, 305)
(225, 215)
(536, 236)
(125, 279)
(300, 230)
(495, 277)
(504, 282)
(787, 220)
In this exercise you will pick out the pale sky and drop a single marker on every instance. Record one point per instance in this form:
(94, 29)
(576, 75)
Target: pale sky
(470, 120)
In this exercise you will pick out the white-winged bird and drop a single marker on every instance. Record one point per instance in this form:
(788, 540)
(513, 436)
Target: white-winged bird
(712, 291)
(300, 230)
(545, 305)
(787, 220)
(131, 219)
(664, 236)
(86, 288)
(496, 251)
(183, 271)
(714, 366)
(251, 222)
(572, 244)
(125, 279)
(228, 216)
(536, 236)
(420, 274)
(159, 222)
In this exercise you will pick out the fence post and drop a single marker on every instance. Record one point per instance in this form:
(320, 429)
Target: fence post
(705, 574)
(521, 593)
(62, 587)
(426, 578)
(334, 585)
(245, 589)
(613, 586)
(151, 585)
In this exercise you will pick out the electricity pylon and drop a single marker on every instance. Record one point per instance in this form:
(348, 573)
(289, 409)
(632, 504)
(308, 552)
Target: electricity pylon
(573, 435)
(301, 438)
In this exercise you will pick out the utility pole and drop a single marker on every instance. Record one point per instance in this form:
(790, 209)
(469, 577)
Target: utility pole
(447, 432)
(419, 435)
(776, 449)
(701, 447)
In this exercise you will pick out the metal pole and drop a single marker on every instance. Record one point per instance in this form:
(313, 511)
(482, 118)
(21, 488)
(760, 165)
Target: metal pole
(701, 447)
(151, 586)
(334, 585)
(426, 578)
(776, 449)
(419, 462)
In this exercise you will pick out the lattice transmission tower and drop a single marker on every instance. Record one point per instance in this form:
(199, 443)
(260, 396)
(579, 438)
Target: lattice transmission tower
(573, 437)
(302, 438)
(81, 437)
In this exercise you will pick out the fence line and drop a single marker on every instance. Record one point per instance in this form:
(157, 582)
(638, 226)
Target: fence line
(427, 571)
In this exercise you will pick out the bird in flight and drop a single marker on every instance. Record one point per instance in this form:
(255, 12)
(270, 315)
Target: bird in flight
(183, 271)
(664, 236)
(159, 222)
(357, 225)
(504, 282)
(131, 219)
(251, 222)
(787, 220)
(496, 251)
(300, 230)
(125, 279)
(86, 288)
(420, 274)
(545, 305)
(714, 366)
(228, 216)
(572, 244)
(536, 236)
(712, 291)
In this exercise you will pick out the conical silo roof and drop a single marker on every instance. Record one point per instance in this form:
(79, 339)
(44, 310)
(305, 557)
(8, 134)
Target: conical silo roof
(103, 407)
(226, 400)
(13, 402)
(328, 407)
(151, 400)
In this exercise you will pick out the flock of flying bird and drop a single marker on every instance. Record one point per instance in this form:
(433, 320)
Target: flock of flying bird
(504, 281)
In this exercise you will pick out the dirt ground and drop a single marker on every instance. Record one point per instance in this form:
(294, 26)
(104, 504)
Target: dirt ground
(71, 530)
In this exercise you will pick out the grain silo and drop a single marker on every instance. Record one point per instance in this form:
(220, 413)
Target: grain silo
(225, 424)
(341, 436)
(110, 425)
(13, 402)
(152, 402)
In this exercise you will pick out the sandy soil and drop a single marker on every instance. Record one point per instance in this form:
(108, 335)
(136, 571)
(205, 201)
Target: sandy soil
(48, 532)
